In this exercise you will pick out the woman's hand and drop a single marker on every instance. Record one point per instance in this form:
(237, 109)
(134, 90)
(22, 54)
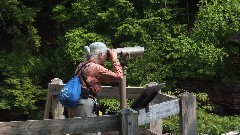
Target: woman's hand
(112, 54)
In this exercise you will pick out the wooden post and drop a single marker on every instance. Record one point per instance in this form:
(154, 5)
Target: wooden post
(155, 126)
(128, 122)
(57, 108)
(47, 105)
(52, 102)
(187, 118)
(123, 100)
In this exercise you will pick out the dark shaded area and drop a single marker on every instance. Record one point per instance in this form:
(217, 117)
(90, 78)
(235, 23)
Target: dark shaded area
(235, 39)
(189, 12)
(226, 101)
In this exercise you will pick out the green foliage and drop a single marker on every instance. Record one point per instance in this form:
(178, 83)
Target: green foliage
(170, 52)
(18, 19)
(207, 123)
(73, 51)
(216, 21)
(20, 73)
(60, 13)
(76, 39)
(113, 105)
(171, 125)
(214, 124)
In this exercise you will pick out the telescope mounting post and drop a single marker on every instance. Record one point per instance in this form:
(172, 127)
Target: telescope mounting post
(123, 99)
(125, 53)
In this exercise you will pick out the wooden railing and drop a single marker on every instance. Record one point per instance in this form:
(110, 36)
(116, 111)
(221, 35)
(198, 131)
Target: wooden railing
(126, 122)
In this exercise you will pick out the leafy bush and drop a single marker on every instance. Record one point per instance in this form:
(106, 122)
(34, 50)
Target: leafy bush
(207, 122)
(112, 105)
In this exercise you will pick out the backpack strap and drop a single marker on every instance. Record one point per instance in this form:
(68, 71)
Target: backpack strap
(81, 68)
(85, 80)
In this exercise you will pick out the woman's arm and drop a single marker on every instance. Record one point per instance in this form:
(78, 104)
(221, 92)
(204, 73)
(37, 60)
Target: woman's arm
(106, 75)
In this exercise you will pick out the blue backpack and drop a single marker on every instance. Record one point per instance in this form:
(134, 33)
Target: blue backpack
(70, 94)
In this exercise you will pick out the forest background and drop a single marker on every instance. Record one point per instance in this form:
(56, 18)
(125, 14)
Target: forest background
(184, 41)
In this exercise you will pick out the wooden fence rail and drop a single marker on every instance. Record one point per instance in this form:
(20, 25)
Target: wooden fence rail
(60, 126)
(126, 122)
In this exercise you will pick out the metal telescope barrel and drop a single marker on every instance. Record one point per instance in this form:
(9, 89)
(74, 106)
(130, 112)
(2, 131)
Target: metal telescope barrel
(130, 51)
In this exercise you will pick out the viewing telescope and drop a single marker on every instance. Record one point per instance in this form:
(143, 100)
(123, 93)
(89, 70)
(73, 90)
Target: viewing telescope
(129, 51)
(126, 52)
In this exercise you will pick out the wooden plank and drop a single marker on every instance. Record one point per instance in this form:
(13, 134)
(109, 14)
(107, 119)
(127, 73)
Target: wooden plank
(161, 98)
(113, 92)
(158, 111)
(110, 133)
(141, 131)
(61, 126)
(106, 92)
(57, 108)
(188, 120)
(144, 131)
(52, 102)
(128, 122)
(54, 89)
(47, 106)
(155, 126)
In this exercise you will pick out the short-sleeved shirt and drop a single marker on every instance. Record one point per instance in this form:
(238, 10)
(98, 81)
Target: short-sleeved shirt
(95, 74)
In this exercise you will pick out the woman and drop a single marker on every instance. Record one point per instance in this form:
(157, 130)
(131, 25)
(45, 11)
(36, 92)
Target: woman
(92, 74)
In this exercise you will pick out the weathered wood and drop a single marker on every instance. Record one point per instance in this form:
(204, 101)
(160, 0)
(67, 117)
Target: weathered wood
(47, 105)
(155, 126)
(61, 126)
(125, 123)
(57, 108)
(159, 110)
(54, 89)
(144, 131)
(141, 131)
(128, 122)
(110, 133)
(161, 98)
(163, 105)
(112, 92)
(188, 120)
(106, 92)
(52, 102)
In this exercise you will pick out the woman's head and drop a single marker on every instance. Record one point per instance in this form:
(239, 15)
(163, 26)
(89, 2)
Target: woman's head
(96, 50)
